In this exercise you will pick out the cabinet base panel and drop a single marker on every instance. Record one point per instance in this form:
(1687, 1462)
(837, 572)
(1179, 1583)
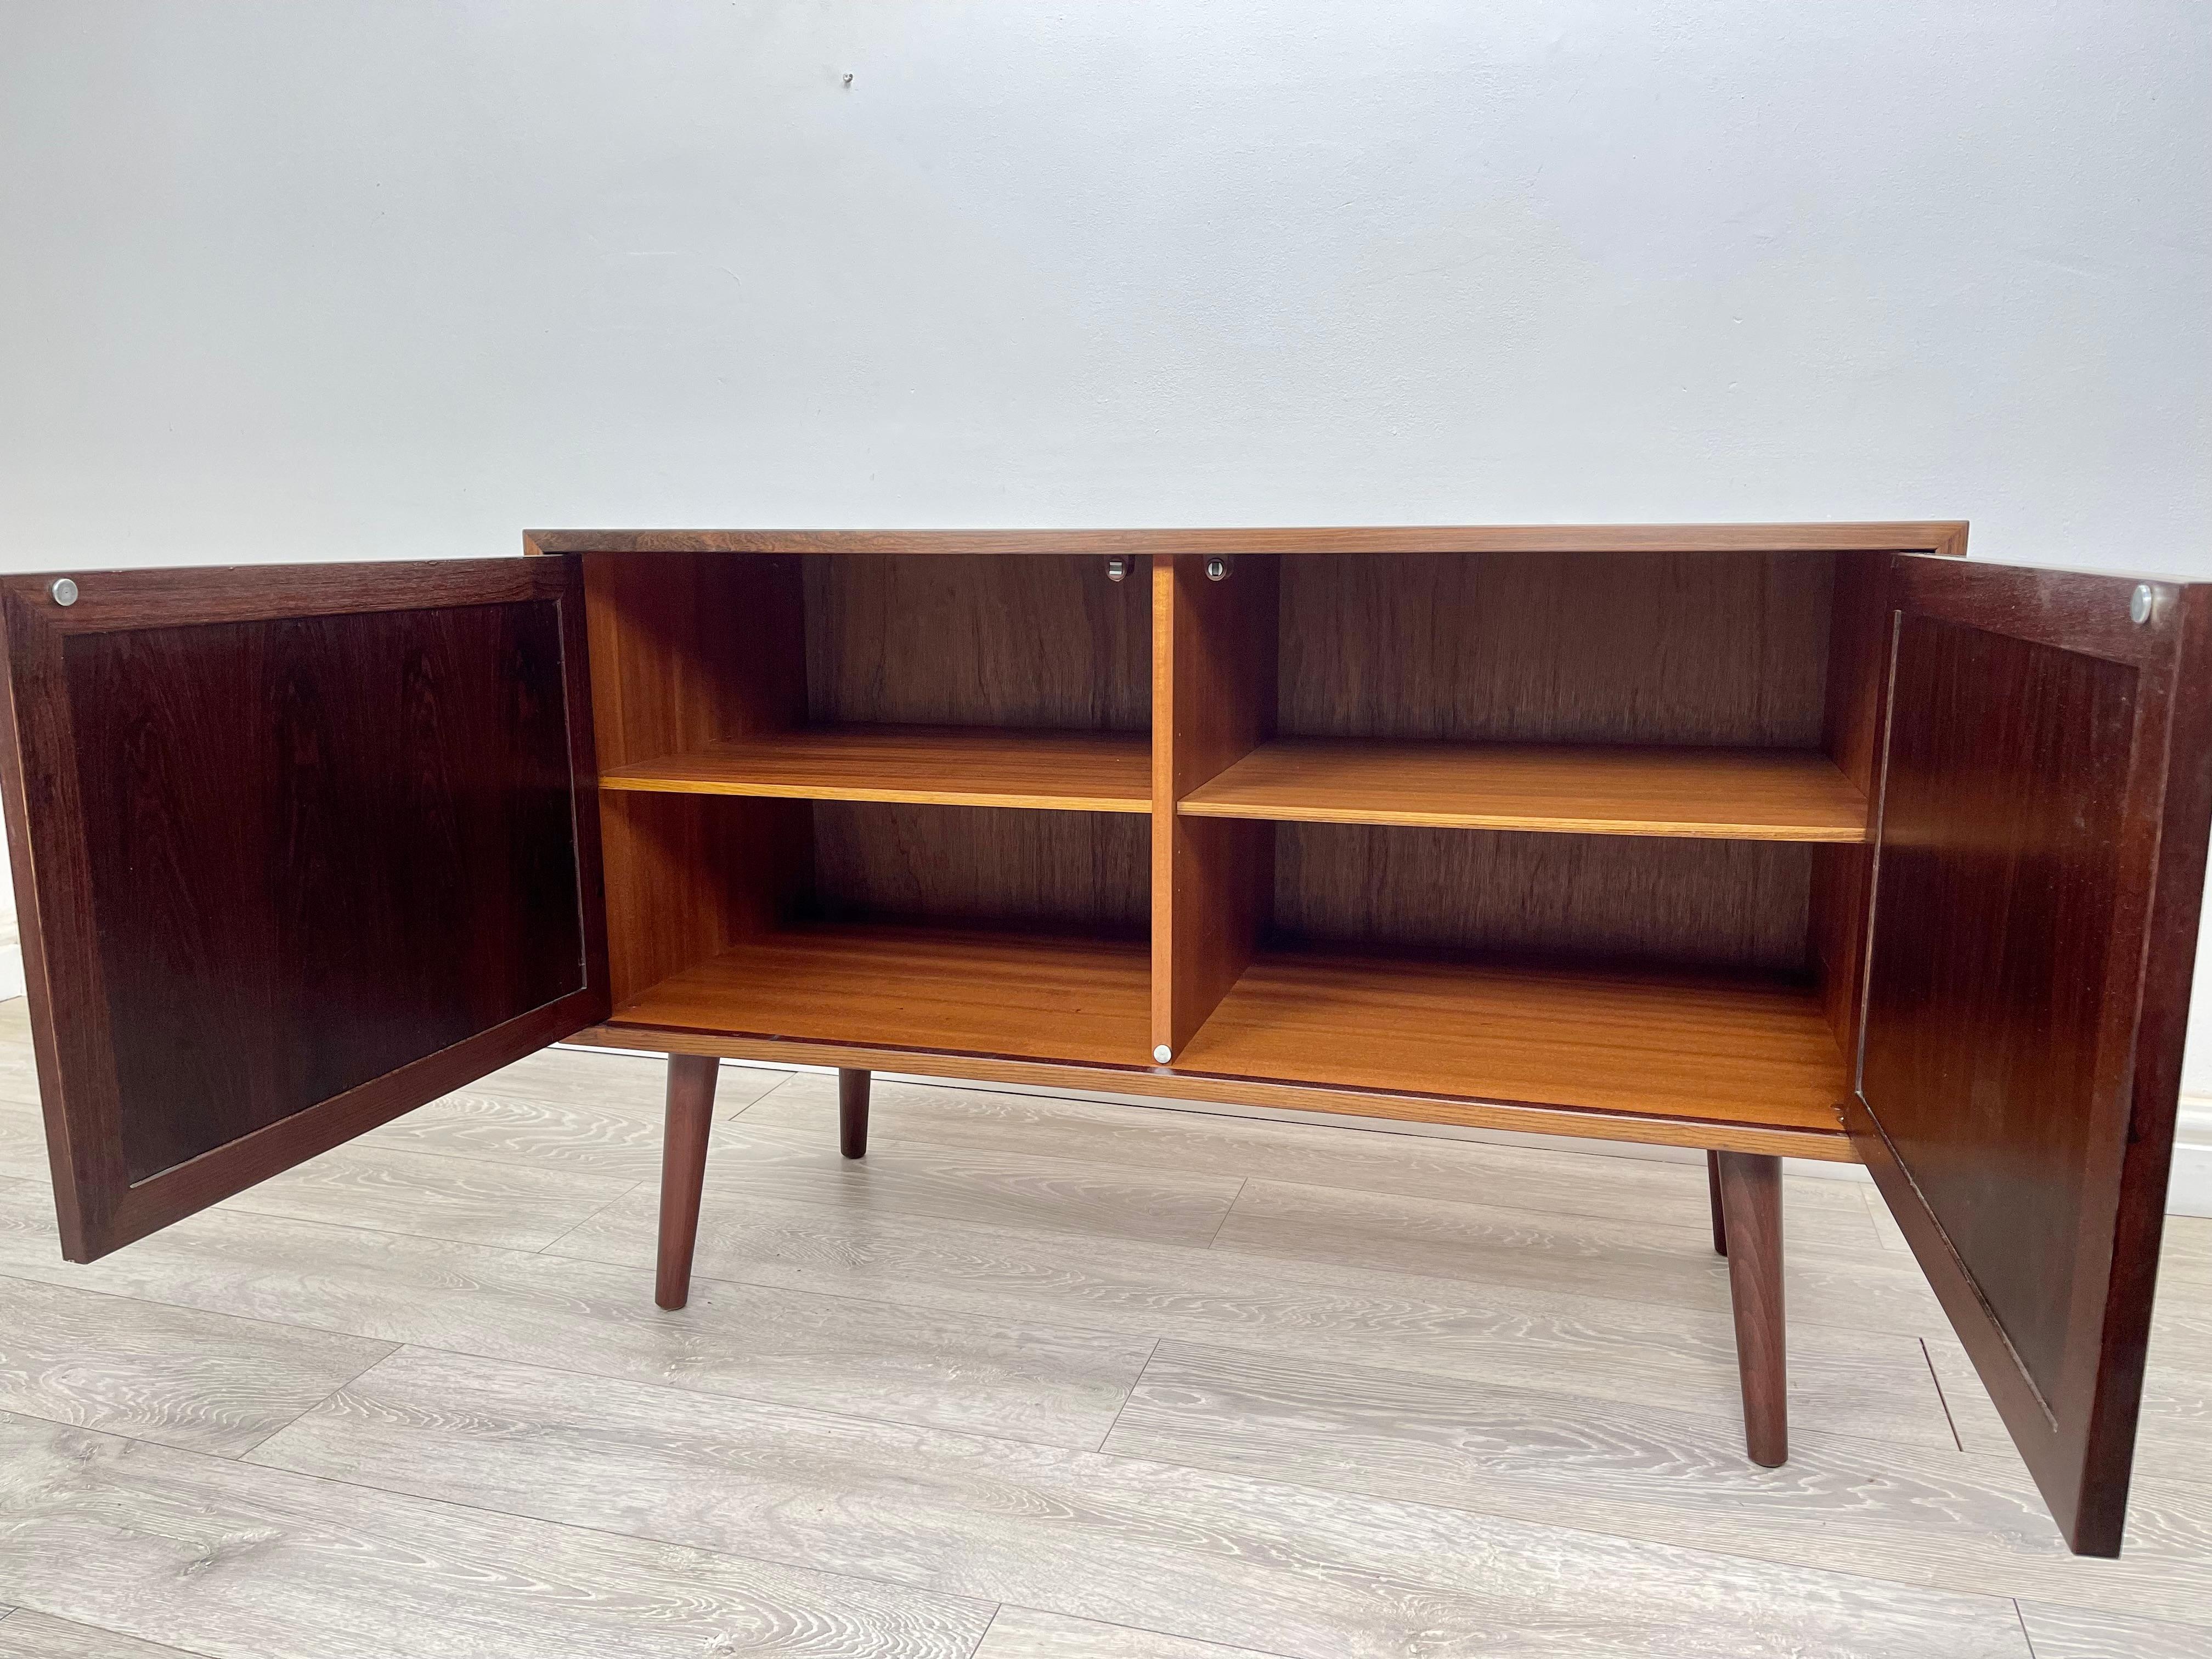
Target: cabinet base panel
(1162, 1082)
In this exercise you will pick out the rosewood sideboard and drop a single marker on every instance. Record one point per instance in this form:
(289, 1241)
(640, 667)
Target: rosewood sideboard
(1806, 840)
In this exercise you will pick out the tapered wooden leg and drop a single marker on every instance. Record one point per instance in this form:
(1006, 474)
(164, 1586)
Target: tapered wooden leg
(1751, 1197)
(683, 1171)
(852, 1112)
(1713, 1192)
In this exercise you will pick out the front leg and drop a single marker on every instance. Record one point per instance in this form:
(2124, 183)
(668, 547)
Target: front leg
(852, 1112)
(1751, 1203)
(683, 1171)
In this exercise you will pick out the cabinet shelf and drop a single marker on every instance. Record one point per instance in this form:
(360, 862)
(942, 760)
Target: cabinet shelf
(940, 765)
(1081, 997)
(1736, 794)
(1645, 1042)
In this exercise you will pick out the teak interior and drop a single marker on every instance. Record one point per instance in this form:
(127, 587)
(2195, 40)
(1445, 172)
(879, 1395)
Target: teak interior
(1582, 830)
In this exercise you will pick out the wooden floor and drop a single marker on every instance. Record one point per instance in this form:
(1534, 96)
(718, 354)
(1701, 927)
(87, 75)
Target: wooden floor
(1038, 1379)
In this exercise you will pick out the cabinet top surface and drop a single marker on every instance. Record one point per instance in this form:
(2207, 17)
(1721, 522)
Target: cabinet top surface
(1934, 536)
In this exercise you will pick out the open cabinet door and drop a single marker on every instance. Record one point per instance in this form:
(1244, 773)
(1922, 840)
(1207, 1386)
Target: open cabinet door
(296, 849)
(2040, 857)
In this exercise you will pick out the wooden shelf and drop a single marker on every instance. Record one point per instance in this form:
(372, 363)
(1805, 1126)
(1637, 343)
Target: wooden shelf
(1661, 1044)
(1732, 794)
(943, 765)
(1080, 998)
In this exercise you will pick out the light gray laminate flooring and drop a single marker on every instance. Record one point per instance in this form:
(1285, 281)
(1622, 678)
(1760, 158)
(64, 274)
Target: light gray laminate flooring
(1038, 1379)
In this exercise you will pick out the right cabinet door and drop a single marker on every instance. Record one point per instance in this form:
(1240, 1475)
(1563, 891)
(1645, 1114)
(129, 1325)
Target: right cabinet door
(2045, 790)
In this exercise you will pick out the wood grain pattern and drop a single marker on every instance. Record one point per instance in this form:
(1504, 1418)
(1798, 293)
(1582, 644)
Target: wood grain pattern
(2014, 758)
(1034, 1377)
(688, 650)
(1701, 1047)
(1603, 899)
(1214, 653)
(1751, 1197)
(2060, 1632)
(1039, 641)
(1661, 1199)
(201, 1381)
(302, 855)
(1020, 1633)
(941, 765)
(988, 867)
(1742, 794)
(607, 1139)
(2041, 857)
(1642, 1128)
(27, 1635)
(319, 850)
(688, 876)
(1698, 648)
(467, 1199)
(1233, 1559)
(169, 1546)
(1499, 1240)
(1850, 1380)
(1933, 1517)
(1038, 1187)
(963, 991)
(1947, 537)
(1858, 686)
(623, 1084)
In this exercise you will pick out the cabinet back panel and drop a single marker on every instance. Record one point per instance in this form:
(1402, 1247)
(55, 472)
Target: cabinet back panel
(1084, 871)
(1707, 903)
(1721, 648)
(977, 640)
(687, 647)
(320, 848)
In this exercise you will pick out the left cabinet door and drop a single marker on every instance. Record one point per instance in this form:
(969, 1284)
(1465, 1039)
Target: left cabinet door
(297, 849)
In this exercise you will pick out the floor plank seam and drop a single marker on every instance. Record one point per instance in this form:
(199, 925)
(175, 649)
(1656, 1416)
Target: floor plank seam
(989, 1625)
(645, 1277)
(1719, 1309)
(369, 1147)
(246, 1454)
(921, 1583)
(1941, 1399)
(1231, 1649)
(1656, 1539)
(105, 1630)
(1135, 1383)
(195, 1308)
(618, 1197)
(234, 1206)
(673, 1385)
(1227, 1211)
(1697, 1227)
(768, 1561)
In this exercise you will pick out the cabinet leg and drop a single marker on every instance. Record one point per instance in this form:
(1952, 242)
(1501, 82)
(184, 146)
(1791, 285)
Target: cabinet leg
(1713, 1192)
(683, 1171)
(1751, 1198)
(852, 1112)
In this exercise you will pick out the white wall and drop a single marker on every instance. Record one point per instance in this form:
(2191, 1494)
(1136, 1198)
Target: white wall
(364, 280)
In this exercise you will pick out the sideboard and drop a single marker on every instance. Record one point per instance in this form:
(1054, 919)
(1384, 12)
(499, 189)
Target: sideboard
(1815, 841)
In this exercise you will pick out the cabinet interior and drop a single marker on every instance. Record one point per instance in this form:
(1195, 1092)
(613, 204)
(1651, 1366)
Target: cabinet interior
(1581, 830)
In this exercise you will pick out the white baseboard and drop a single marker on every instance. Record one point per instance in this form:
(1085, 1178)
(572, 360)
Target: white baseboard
(2190, 1190)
